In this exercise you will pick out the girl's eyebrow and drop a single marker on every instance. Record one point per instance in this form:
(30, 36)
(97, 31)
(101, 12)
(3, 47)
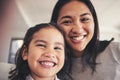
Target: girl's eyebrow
(56, 43)
(40, 41)
(59, 43)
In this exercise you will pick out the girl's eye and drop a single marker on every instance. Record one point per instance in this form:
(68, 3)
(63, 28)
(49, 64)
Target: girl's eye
(41, 45)
(58, 48)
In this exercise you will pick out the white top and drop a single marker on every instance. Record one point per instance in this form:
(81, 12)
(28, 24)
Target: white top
(30, 78)
(109, 69)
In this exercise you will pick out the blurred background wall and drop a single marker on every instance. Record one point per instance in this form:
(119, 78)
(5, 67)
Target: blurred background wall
(16, 16)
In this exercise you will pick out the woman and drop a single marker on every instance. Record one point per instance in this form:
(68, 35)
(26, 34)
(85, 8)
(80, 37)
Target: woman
(41, 56)
(99, 60)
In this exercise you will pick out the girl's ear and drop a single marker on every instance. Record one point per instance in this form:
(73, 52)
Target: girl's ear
(25, 53)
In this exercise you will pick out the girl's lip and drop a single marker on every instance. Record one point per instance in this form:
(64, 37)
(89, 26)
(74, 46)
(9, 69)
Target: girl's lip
(47, 63)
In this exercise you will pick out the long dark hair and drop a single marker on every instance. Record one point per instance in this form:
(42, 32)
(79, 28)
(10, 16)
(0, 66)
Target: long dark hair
(21, 69)
(94, 47)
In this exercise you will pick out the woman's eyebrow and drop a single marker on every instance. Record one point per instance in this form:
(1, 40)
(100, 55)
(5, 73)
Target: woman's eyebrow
(71, 17)
(65, 17)
(84, 14)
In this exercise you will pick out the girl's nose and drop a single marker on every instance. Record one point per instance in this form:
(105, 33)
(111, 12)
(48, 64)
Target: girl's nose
(49, 53)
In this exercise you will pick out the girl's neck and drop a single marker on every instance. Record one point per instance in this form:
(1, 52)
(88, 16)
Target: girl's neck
(45, 78)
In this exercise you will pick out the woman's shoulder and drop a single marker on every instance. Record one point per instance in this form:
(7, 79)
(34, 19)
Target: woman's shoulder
(104, 44)
(113, 50)
(111, 53)
(114, 45)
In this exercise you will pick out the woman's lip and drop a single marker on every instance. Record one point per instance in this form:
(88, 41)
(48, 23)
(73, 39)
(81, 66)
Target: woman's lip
(77, 39)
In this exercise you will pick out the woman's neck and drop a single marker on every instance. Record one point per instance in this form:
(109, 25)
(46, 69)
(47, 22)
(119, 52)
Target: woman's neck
(77, 54)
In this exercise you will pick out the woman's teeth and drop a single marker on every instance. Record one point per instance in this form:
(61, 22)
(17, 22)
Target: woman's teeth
(78, 38)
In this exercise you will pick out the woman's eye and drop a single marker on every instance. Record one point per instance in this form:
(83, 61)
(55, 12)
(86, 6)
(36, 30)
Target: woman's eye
(66, 22)
(85, 19)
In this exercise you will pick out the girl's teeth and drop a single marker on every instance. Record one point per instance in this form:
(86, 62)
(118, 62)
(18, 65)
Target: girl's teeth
(47, 63)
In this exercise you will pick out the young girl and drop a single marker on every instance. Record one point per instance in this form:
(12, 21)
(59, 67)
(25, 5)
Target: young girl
(42, 54)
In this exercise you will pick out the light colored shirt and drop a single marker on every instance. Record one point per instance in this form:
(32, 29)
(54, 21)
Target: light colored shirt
(108, 69)
(30, 78)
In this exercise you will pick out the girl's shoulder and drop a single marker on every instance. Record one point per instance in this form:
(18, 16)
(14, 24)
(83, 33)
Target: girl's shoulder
(30, 78)
(56, 78)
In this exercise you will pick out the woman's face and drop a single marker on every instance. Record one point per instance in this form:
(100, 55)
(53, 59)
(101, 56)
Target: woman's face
(77, 22)
(45, 54)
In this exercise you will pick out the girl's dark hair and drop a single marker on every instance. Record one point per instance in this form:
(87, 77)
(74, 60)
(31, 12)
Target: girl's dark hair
(21, 69)
(93, 48)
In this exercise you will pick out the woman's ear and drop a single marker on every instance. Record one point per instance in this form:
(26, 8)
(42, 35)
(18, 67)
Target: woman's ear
(25, 53)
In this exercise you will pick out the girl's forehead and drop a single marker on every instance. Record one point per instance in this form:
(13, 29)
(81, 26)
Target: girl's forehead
(48, 31)
(49, 35)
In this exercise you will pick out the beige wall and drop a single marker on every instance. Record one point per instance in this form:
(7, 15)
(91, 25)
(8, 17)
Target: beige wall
(13, 26)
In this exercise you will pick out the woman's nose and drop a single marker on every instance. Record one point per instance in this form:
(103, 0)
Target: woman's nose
(77, 28)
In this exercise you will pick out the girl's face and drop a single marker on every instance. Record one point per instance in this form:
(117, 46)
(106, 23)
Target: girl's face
(77, 22)
(45, 54)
